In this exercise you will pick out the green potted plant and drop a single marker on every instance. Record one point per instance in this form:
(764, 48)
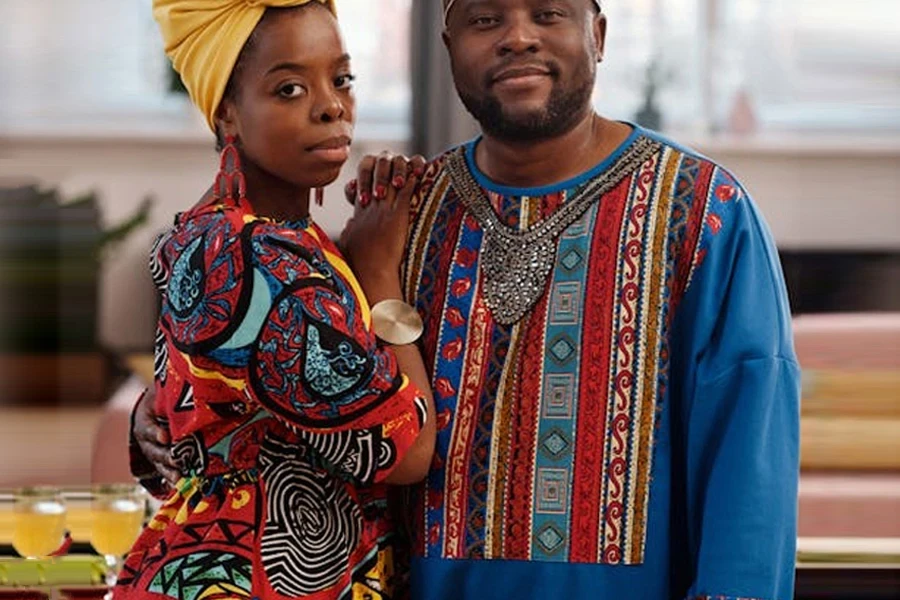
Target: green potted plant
(51, 250)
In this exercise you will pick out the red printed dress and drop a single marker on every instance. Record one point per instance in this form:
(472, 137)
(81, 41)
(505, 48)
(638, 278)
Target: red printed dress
(286, 418)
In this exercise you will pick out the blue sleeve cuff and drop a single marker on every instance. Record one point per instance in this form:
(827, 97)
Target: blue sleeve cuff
(720, 597)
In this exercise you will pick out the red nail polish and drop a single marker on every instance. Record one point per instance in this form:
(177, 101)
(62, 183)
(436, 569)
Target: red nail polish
(380, 191)
(351, 185)
(364, 199)
(399, 182)
(419, 172)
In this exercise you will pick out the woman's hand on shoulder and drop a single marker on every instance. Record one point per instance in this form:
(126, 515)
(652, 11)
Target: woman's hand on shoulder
(379, 174)
(374, 239)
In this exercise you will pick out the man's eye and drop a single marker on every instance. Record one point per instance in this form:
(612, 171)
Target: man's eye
(483, 21)
(291, 90)
(550, 15)
(344, 81)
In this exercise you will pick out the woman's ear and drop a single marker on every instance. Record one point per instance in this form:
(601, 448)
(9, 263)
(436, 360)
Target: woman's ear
(226, 119)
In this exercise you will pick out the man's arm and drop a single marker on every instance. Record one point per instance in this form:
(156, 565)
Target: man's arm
(148, 448)
(739, 418)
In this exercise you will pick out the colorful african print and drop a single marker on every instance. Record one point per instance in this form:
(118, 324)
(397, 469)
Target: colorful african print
(634, 434)
(286, 415)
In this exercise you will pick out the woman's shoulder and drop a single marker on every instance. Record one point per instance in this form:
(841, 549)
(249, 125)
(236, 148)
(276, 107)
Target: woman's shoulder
(210, 224)
(210, 215)
(227, 241)
(197, 235)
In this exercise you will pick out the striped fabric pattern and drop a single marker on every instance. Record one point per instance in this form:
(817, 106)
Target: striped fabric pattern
(570, 391)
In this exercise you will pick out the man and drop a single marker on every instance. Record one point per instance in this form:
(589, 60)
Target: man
(609, 341)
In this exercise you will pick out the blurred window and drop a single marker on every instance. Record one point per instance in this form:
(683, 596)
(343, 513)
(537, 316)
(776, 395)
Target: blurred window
(102, 60)
(803, 64)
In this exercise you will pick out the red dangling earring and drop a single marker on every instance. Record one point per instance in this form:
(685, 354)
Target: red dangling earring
(230, 177)
(320, 196)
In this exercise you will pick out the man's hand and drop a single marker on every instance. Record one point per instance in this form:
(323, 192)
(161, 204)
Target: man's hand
(152, 439)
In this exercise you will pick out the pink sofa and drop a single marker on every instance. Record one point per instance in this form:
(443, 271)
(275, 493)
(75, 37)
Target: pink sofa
(850, 486)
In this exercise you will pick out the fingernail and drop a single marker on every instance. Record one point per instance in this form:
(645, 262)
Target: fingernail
(364, 199)
(351, 185)
(419, 171)
(398, 182)
(380, 191)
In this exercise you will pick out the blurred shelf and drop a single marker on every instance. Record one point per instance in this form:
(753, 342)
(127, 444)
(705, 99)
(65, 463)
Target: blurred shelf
(70, 379)
(825, 552)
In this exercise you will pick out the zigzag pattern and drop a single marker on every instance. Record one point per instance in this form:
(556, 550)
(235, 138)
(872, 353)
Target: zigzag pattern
(158, 271)
(160, 356)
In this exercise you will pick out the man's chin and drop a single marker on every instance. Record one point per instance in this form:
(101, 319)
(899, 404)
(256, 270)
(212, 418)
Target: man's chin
(521, 122)
(525, 108)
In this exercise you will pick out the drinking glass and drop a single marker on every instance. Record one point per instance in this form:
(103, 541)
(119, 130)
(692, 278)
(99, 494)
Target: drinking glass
(117, 514)
(39, 517)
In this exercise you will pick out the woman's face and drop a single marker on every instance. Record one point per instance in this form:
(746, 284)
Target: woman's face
(292, 109)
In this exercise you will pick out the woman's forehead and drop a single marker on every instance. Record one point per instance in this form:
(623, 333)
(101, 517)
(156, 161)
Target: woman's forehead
(300, 36)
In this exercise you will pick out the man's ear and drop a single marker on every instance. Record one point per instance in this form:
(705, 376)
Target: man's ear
(446, 39)
(599, 27)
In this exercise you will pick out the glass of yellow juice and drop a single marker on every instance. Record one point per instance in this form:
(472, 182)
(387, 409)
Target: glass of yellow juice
(117, 515)
(39, 522)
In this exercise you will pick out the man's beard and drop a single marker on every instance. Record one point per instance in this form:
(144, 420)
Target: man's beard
(564, 108)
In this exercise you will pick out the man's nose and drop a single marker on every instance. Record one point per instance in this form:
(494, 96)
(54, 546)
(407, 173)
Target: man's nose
(521, 36)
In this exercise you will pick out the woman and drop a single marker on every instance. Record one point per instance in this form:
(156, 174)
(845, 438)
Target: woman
(288, 418)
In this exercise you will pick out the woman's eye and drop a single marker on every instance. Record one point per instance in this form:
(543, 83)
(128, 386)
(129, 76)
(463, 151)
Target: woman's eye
(291, 90)
(344, 81)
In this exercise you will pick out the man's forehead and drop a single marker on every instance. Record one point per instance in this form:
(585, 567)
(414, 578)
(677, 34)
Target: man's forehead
(448, 4)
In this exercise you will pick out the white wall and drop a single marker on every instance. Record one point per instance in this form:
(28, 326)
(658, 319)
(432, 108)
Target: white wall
(815, 194)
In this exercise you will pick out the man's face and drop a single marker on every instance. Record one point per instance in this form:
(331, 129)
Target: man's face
(525, 69)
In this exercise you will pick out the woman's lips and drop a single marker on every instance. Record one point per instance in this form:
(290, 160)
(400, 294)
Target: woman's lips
(336, 149)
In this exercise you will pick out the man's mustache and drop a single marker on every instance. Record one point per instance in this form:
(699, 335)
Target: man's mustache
(550, 67)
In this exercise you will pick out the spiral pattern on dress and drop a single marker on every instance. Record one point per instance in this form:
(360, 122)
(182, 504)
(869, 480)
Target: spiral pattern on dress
(312, 525)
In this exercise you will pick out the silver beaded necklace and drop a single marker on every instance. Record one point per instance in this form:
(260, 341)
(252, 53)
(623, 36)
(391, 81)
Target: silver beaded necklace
(515, 264)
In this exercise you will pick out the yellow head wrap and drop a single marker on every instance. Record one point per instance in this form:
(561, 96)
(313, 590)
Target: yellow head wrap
(203, 38)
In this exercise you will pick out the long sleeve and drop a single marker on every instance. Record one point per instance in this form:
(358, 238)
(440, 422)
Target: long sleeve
(739, 408)
(272, 316)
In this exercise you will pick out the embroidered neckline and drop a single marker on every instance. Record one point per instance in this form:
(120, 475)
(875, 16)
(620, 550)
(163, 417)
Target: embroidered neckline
(515, 263)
